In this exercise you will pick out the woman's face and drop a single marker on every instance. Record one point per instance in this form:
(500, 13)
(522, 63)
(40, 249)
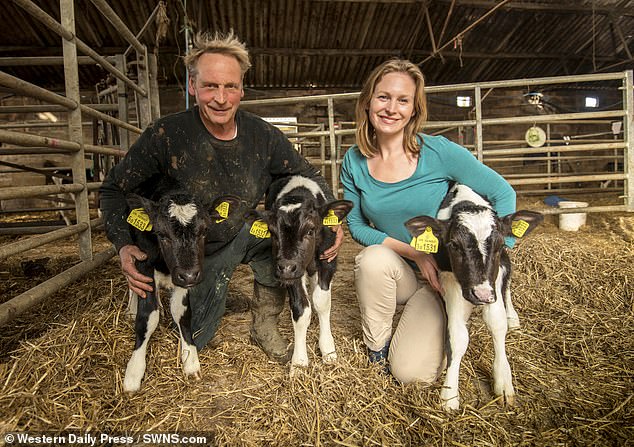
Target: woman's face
(392, 104)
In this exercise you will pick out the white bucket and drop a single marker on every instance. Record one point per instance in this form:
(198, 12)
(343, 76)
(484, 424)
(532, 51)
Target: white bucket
(572, 221)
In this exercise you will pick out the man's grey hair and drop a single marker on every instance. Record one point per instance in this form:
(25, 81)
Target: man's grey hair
(220, 43)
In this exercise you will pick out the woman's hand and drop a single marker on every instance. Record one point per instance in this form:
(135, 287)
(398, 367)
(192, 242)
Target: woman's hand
(429, 270)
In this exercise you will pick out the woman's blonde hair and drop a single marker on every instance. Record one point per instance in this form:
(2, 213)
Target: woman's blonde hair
(227, 44)
(365, 131)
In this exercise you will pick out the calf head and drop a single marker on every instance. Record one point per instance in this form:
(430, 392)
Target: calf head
(180, 223)
(297, 231)
(473, 240)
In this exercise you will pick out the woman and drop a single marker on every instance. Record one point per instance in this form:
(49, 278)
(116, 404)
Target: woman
(392, 174)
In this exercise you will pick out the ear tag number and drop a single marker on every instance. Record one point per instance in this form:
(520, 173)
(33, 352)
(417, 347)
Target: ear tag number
(519, 227)
(223, 211)
(331, 219)
(260, 229)
(139, 219)
(426, 242)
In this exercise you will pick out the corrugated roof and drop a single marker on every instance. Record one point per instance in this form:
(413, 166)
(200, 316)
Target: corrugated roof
(334, 44)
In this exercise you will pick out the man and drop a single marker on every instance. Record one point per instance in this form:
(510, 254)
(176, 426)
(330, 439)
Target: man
(213, 149)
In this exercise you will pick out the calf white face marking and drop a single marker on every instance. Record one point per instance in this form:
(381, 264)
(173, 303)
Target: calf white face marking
(290, 207)
(299, 181)
(182, 213)
(480, 225)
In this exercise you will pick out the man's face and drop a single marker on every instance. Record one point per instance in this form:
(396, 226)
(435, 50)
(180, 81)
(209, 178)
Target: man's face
(217, 87)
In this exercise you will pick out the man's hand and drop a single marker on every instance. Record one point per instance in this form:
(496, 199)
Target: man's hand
(331, 253)
(429, 270)
(137, 282)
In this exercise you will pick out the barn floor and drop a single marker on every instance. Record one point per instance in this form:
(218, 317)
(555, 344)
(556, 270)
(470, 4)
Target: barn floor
(61, 366)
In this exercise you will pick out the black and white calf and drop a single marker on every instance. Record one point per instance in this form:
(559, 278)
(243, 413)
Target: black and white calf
(298, 218)
(170, 228)
(475, 270)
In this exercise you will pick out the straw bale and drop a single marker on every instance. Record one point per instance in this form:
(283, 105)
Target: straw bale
(573, 363)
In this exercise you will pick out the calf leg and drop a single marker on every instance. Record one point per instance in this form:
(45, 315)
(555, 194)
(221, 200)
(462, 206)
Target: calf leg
(512, 318)
(181, 313)
(321, 302)
(301, 312)
(458, 312)
(494, 316)
(147, 318)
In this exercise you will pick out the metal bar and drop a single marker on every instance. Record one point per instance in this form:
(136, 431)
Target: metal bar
(37, 241)
(119, 25)
(53, 108)
(333, 147)
(25, 139)
(69, 36)
(106, 150)
(147, 23)
(41, 60)
(478, 133)
(628, 136)
(40, 93)
(564, 148)
(590, 209)
(295, 100)
(570, 179)
(29, 151)
(34, 296)
(20, 192)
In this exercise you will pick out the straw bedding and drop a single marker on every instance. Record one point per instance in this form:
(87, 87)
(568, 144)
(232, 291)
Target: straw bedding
(573, 363)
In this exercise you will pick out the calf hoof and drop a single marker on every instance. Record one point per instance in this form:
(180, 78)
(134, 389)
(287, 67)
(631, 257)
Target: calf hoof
(196, 375)
(331, 357)
(450, 405)
(296, 370)
(449, 402)
(509, 400)
(513, 324)
(131, 384)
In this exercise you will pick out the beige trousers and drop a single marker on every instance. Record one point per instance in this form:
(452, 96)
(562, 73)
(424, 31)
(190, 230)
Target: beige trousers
(417, 348)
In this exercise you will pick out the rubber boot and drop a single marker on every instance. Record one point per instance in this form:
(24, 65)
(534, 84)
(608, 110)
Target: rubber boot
(266, 306)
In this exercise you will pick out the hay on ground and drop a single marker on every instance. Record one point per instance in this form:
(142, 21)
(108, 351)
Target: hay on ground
(572, 360)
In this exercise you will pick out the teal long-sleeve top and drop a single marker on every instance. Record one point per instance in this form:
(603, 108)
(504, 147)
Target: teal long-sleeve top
(381, 209)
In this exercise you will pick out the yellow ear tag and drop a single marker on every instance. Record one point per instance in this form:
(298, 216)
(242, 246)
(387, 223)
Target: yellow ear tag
(223, 210)
(139, 219)
(260, 229)
(331, 219)
(519, 227)
(426, 241)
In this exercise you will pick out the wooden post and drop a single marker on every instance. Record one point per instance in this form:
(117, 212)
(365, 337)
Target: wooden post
(155, 102)
(71, 74)
(145, 111)
(122, 104)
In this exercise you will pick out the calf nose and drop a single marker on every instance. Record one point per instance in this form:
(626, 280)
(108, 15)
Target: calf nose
(186, 278)
(286, 269)
(484, 294)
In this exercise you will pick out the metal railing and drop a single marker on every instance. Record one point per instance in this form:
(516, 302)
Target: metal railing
(74, 145)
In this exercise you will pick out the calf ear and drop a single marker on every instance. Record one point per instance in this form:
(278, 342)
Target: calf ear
(338, 208)
(224, 206)
(417, 225)
(520, 223)
(252, 215)
(136, 201)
